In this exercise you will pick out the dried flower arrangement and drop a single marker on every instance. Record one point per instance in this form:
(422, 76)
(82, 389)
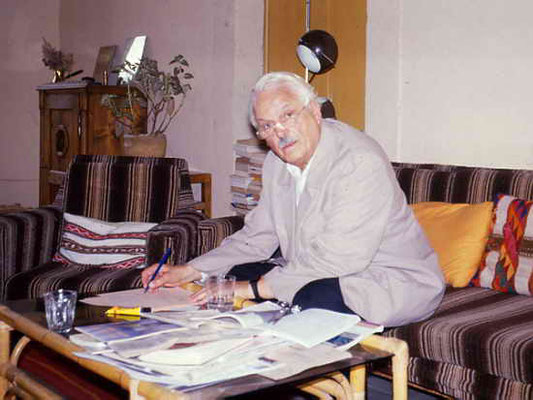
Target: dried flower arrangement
(57, 61)
(163, 94)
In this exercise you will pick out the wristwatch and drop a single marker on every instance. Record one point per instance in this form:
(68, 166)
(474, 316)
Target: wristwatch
(255, 289)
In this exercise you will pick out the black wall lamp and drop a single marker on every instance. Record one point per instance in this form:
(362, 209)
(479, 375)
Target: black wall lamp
(317, 51)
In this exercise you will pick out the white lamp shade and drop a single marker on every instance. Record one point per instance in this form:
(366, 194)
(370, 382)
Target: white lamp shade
(308, 59)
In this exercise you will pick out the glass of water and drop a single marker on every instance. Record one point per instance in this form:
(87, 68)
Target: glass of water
(60, 308)
(220, 292)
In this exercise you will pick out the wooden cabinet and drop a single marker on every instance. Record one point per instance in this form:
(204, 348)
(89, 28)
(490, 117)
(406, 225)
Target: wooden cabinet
(346, 21)
(73, 121)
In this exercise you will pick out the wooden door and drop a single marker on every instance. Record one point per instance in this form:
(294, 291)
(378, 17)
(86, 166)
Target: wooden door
(346, 21)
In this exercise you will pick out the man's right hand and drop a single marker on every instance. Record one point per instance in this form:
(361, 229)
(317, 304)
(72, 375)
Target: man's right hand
(169, 276)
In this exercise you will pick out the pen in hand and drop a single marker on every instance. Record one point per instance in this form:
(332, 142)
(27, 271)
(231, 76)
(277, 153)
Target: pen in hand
(161, 263)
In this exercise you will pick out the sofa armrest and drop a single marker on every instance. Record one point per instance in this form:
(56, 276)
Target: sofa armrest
(180, 233)
(27, 240)
(212, 231)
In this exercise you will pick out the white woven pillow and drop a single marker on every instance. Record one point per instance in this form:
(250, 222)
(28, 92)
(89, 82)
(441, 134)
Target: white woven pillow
(92, 242)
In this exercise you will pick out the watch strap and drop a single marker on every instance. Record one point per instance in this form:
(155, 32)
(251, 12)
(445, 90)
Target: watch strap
(255, 289)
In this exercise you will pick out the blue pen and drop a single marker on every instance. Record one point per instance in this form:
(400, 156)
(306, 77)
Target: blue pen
(161, 262)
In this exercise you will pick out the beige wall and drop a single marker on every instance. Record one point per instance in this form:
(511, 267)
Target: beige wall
(221, 39)
(452, 81)
(447, 81)
(22, 26)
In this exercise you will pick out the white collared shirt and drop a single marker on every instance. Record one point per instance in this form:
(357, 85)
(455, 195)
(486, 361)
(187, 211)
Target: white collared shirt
(300, 177)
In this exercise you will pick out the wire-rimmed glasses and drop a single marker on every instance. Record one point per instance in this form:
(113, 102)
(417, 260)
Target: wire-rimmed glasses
(287, 120)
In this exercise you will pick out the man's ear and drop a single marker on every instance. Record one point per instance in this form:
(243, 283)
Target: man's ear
(315, 110)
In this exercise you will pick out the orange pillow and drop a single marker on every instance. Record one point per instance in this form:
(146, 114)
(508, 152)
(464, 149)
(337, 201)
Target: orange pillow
(458, 233)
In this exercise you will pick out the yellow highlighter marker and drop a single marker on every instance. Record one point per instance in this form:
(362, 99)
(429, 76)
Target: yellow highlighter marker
(124, 311)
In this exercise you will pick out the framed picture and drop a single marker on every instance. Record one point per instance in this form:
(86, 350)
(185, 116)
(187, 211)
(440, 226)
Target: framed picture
(103, 62)
(133, 52)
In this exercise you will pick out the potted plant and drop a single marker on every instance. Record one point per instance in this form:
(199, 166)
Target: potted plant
(157, 94)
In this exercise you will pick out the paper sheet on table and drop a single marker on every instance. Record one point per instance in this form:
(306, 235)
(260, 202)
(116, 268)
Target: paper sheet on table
(163, 299)
(294, 359)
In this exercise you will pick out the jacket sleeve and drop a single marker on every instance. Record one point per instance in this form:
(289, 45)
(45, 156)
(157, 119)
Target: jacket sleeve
(256, 241)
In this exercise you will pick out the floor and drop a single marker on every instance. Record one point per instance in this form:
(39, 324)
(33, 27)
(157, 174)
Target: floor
(377, 389)
(381, 389)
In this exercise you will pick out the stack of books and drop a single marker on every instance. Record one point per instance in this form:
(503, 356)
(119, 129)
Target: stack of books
(246, 181)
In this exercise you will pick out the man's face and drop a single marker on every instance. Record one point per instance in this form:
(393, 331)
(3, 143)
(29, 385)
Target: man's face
(295, 140)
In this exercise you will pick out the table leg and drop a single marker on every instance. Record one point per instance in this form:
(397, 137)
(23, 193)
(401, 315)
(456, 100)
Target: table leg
(4, 355)
(400, 360)
(358, 381)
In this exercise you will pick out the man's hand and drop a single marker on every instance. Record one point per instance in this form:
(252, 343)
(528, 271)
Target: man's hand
(169, 276)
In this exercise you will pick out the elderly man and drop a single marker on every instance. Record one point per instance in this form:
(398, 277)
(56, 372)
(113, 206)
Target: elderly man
(332, 204)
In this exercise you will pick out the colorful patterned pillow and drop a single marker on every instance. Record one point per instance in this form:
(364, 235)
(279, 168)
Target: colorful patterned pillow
(92, 242)
(507, 265)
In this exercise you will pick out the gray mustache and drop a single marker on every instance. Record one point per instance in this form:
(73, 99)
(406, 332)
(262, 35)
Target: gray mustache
(285, 141)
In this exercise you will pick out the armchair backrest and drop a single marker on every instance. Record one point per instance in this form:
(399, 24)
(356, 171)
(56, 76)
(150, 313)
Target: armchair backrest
(119, 188)
(461, 184)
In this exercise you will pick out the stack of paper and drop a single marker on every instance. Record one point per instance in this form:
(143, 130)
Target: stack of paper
(201, 347)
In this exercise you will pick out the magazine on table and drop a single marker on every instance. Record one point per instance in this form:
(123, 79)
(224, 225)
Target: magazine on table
(354, 335)
(193, 353)
(242, 359)
(307, 328)
(127, 330)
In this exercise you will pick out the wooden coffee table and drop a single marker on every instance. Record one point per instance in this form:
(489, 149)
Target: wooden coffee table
(321, 381)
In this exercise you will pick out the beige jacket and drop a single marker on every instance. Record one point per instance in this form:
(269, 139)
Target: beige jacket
(352, 222)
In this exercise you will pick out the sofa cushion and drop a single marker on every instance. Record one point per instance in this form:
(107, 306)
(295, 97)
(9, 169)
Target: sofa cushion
(480, 330)
(507, 265)
(88, 281)
(458, 233)
(118, 188)
(91, 242)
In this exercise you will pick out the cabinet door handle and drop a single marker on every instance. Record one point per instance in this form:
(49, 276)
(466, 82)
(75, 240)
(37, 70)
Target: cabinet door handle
(80, 120)
(61, 141)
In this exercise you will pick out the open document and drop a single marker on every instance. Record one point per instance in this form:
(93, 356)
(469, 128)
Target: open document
(162, 299)
(188, 348)
(307, 328)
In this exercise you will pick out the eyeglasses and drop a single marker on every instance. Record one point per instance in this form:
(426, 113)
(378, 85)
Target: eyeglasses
(287, 120)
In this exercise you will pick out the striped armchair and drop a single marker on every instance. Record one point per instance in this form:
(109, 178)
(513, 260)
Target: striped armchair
(109, 188)
(479, 342)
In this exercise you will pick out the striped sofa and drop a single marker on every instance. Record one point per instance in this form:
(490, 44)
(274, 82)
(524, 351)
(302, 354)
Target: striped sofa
(479, 343)
(109, 188)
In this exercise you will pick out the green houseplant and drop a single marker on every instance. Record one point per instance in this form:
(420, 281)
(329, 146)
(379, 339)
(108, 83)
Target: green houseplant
(153, 94)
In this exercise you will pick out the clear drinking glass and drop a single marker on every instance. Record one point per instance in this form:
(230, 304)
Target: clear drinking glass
(220, 292)
(60, 308)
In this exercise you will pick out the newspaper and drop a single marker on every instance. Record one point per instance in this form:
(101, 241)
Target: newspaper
(127, 330)
(293, 359)
(354, 335)
(307, 328)
(247, 360)
(201, 350)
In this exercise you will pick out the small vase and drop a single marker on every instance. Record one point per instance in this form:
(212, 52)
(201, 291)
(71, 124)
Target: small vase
(59, 76)
(144, 145)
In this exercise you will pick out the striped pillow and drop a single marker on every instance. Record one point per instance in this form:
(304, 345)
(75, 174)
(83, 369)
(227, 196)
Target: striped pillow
(507, 265)
(92, 242)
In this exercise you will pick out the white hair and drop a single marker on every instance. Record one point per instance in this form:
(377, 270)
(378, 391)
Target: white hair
(274, 80)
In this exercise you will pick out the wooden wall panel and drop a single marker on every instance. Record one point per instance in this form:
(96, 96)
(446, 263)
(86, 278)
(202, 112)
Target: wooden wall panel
(284, 24)
(346, 21)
